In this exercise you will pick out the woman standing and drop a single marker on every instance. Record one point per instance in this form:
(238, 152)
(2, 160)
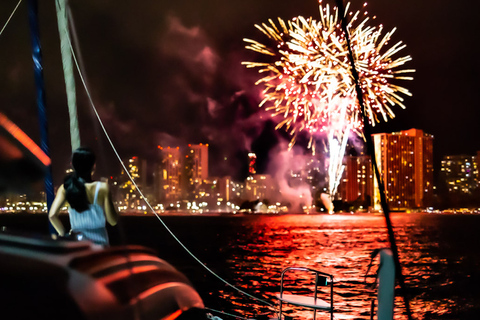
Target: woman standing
(90, 201)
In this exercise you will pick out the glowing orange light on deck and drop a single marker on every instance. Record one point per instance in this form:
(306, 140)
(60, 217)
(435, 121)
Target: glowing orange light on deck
(25, 140)
(125, 274)
(174, 315)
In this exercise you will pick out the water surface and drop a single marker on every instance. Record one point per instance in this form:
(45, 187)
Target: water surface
(439, 256)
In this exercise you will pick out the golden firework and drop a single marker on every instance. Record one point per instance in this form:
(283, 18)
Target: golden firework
(309, 80)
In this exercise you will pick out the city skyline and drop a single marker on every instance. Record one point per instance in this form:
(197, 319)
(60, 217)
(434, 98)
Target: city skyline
(174, 77)
(180, 181)
(185, 169)
(404, 159)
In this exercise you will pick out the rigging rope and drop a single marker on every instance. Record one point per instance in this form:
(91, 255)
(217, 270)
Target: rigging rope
(64, 16)
(141, 194)
(371, 152)
(11, 15)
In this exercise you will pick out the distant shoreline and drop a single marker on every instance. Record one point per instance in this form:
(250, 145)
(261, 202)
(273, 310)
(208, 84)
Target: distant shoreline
(231, 214)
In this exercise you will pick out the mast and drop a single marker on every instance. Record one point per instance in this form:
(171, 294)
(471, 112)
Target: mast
(42, 110)
(65, 48)
(371, 152)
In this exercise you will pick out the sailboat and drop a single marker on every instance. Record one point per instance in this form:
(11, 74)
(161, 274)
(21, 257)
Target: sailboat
(79, 280)
(71, 279)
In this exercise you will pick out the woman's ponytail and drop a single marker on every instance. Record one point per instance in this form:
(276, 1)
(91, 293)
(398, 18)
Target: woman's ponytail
(76, 193)
(83, 161)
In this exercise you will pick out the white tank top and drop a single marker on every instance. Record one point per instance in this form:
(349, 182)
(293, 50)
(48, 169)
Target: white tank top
(91, 222)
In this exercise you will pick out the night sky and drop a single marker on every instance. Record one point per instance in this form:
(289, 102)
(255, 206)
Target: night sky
(168, 73)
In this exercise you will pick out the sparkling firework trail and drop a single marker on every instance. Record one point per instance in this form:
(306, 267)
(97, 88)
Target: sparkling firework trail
(309, 81)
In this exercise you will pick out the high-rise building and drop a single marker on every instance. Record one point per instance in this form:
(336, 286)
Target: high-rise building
(237, 190)
(180, 173)
(225, 188)
(260, 187)
(199, 155)
(129, 197)
(405, 163)
(216, 193)
(195, 170)
(477, 166)
(170, 173)
(459, 173)
(138, 171)
(357, 180)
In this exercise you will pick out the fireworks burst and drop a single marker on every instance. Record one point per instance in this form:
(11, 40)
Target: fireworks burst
(310, 83)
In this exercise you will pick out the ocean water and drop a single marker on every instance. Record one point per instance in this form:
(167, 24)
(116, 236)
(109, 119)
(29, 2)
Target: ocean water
(439, 254)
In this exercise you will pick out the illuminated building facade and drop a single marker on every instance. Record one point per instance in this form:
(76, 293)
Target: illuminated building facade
(225, 188)
(477, 165)
(260, 187)
(171, 168)
(357, 180)
(405, 163)
(199, 156)
(129, 198)
(252, 166)
(180, 173)
(460, 173)
(237, 190)
(194, 171)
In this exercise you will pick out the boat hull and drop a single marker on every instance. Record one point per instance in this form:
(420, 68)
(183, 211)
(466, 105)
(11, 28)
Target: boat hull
(60, 279)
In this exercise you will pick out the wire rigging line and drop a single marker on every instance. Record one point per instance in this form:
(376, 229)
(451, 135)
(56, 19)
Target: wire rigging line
(225, 313)
(141, 194)
(11, 15)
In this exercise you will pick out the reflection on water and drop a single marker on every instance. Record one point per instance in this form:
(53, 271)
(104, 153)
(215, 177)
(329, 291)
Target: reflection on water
(439, 256)
(341, 245)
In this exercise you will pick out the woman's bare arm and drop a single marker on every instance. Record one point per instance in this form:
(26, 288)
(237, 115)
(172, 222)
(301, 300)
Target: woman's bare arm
(55, 210)
(110, 212)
